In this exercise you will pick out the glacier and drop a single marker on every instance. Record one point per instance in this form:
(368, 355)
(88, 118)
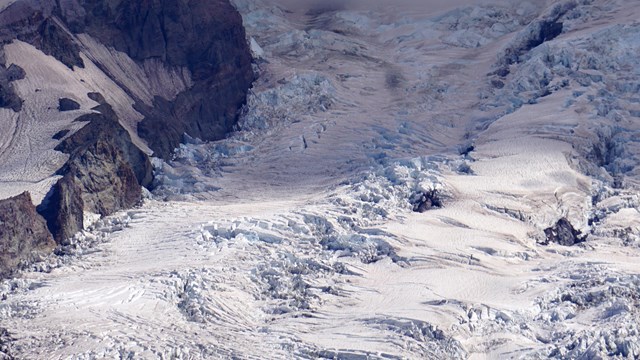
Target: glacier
(297, 236)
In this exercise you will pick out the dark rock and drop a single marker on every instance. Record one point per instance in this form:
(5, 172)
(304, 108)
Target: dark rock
(106, 180)
(31, 21)
(15, 72)
(98, 177)
(66, 104)
(63, 209)
(170, 30)
(563, 233)
(106, 128)
(22, 19)
(466, 149)
(23, 233)
(8, 97)
(60, 134)
(105, 173)
(52, 39)
(426, 201)
(97, 97)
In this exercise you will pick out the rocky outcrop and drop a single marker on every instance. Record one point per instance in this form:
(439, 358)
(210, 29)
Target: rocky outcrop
(97, 179)
(205, 37)
(52, 39)
(426, 201)
(174, 32)
(63, 209)
(563, 233)
(104, 126)
(66, 104)
(105, 173)
(8, 97)
(60, 134)
(23, 233)
(32, 21)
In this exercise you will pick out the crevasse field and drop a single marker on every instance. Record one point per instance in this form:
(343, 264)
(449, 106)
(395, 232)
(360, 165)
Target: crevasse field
(296, 236)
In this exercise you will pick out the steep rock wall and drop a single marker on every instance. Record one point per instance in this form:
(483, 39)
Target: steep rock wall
(23, 233)
(206, 37)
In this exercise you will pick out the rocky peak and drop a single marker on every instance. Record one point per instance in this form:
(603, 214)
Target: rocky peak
(105, 173)
(104, 127)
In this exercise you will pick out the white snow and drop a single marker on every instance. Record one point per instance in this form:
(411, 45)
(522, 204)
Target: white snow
(296, 238)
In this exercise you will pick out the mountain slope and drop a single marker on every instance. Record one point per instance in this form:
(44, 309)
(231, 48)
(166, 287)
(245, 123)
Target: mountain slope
(296, 237)
(68, 64)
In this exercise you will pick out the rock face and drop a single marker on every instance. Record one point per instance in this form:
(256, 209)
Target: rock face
(63, 209)
(104, 126)
(31, 21)
(105, 173)
(23, 233)
(206, 37)
(563, 233)
(426, 201)
(8, 97)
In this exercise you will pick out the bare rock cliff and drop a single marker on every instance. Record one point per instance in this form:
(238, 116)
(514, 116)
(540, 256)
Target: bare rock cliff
(23, 233)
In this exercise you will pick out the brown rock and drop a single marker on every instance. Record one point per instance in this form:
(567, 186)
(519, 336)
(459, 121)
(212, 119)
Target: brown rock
(99, 176)
(63, 209)
(23, 233)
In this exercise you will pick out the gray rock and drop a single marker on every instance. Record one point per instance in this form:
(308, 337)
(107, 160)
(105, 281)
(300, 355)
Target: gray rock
(8, 97)
(426, 201)
(66, 104)
(170, 30)
(60, 134)
(105, 173)
(563, 233)
(105, 125)
(63, 209)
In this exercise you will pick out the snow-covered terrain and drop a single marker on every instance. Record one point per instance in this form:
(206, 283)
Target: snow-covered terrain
(296, 237)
